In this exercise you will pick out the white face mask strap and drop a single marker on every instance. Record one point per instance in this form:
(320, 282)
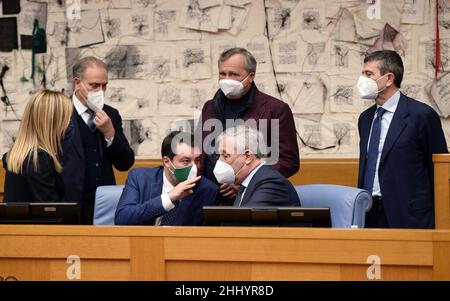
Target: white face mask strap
(382, 76)
(241, 166)
(173, 166)
(385, 86)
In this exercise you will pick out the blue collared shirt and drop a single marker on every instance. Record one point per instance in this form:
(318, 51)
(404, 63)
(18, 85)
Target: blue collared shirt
(390, 106)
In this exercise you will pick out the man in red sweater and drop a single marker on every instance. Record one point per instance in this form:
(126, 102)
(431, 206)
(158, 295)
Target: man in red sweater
(239, 100)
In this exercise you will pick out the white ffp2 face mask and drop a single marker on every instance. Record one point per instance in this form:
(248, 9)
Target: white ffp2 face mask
(231, 88)
(224, 173)
(368, 88)
(95, 100)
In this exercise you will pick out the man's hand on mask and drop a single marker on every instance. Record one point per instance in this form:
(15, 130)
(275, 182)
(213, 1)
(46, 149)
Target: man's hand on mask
(229, 190)
(104, 124)
(183, 189)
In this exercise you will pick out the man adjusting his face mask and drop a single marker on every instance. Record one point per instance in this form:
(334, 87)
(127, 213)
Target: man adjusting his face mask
(171, 194)
(95, 99)
(96, 143)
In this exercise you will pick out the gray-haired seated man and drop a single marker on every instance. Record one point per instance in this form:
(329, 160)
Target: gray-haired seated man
(242, 150)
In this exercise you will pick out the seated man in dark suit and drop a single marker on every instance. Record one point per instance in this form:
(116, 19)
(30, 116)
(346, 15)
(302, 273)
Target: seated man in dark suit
(172, 194)
(241, 162)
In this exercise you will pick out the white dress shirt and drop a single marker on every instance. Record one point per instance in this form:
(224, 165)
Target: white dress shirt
(165, 199)
(248, 179)
(390, 106)
(82, 110)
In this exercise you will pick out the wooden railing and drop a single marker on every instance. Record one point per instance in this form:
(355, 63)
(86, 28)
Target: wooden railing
(442, 190)
(36, 252)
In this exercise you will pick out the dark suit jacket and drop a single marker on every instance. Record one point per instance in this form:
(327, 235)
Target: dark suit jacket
(269, 188)
(119, 154)
(406, 167)
(141, 204)
(261, 106)
(43, 185)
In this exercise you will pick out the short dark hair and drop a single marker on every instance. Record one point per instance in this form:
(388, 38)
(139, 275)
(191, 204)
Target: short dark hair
(249, 59)
(389, 61)
(181, 137)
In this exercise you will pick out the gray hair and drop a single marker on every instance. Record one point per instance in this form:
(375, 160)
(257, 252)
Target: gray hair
(246, 138)
(249, 59)
(80, 67)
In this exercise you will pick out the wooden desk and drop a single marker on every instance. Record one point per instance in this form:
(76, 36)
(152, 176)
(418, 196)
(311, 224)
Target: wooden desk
(211, 253)
(442, 190)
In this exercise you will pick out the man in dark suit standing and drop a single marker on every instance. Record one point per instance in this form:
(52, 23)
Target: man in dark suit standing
(172, 194)
(238, 99)
(241, 162)
(94, 141)
(398, 136)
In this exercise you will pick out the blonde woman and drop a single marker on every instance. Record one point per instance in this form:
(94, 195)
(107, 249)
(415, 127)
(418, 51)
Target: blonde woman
(32, 164)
